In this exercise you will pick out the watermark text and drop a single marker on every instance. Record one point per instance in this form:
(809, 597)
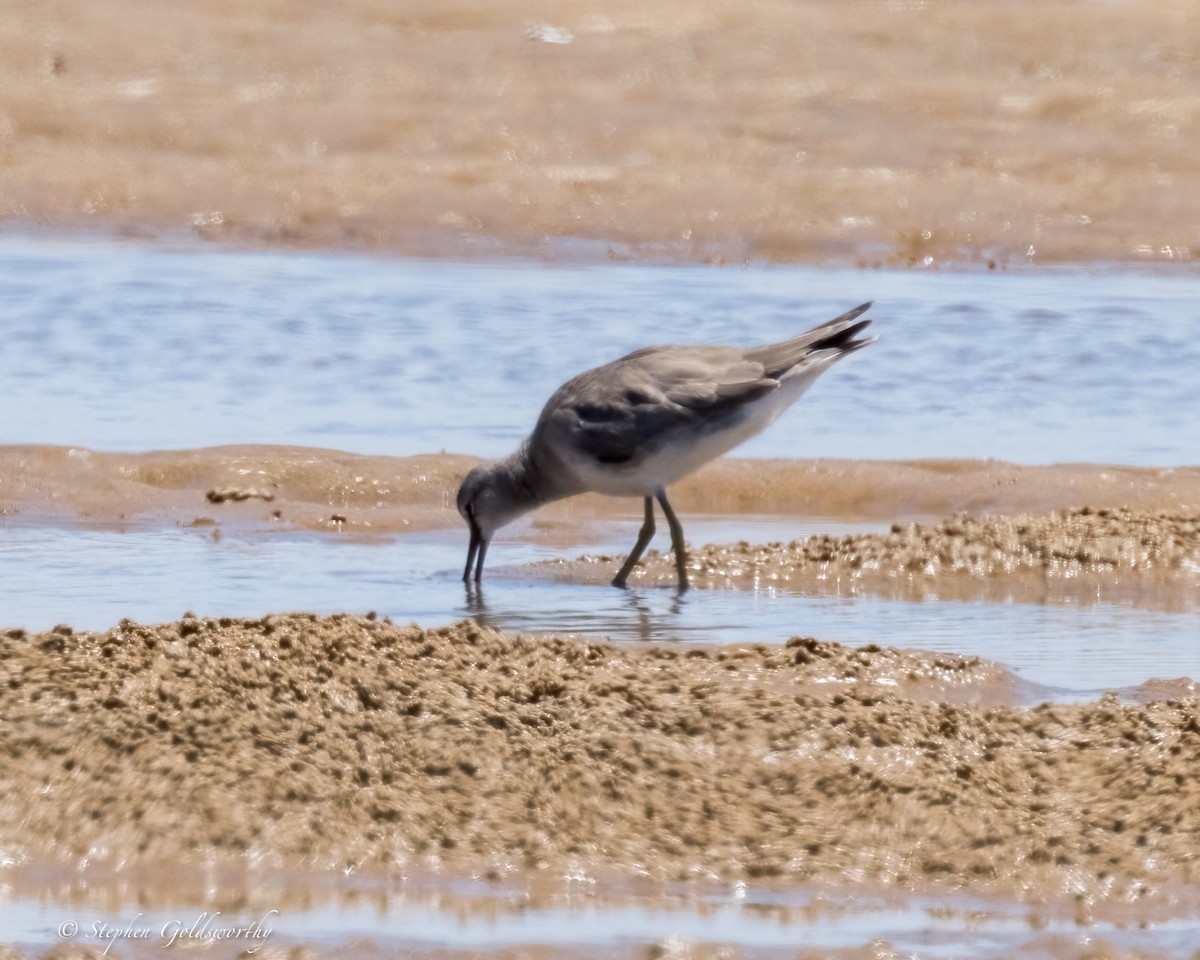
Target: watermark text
(202, 928)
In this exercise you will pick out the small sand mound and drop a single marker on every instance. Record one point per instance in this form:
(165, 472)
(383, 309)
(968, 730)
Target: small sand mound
(1114, 546)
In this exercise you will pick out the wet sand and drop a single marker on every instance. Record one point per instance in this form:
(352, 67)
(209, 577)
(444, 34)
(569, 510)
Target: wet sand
(348, 742)
(864, 133)
(304, 488)
(272, 487)
(319, 745)
(1033, 534)
(1088, 554)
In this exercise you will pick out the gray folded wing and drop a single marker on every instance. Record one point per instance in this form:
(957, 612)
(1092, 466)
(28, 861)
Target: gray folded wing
(629, 409)
(625, 410)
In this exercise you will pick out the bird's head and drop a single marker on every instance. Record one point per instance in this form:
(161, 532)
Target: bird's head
(490, 497)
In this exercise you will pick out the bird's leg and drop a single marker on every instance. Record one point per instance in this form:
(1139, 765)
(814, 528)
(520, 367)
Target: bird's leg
(472, 549)
(635, 555)
(483, 545)
(676, 539)
(476, 551)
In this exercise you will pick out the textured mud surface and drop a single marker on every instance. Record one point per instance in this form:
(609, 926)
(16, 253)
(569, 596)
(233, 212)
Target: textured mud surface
(1114, 553)
(348, 742)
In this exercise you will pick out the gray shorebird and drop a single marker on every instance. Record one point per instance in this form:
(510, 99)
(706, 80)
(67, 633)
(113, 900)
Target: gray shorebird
(633, 427)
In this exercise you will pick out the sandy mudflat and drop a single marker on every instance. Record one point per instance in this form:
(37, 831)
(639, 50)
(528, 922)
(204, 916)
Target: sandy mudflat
(325, 745)
(345, 741)
(263, 487)
(889, 132)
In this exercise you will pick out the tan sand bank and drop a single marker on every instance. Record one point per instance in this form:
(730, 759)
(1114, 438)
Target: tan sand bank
(278, 487)
(246, 487)
(349, 743)
(1088, 554)
(789, 130)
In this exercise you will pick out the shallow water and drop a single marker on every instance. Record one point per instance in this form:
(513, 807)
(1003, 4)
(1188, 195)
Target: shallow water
(393, 925)
(93, 578)
(117, 346)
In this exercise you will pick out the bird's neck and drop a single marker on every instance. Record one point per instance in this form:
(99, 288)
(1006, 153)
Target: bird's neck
(535, 479)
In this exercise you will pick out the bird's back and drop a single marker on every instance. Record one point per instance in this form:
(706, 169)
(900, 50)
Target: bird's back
(640, 423)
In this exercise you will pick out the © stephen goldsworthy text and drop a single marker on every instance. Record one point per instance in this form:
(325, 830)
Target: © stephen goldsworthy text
(204, 928)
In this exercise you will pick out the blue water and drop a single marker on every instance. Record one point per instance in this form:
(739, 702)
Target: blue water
(398, 926)
(116, 345)
(120, 346)
(94, 578)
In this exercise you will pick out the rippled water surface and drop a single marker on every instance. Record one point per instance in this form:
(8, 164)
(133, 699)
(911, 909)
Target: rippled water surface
(118, 346)
(93, 578)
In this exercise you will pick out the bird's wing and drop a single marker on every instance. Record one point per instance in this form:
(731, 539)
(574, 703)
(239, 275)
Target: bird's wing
(625, 410)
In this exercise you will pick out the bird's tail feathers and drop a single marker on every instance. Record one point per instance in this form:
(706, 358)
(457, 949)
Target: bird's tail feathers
(837, 335)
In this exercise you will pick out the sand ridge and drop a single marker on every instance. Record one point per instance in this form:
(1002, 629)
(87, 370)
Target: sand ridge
(1130, 555)
(307, 487)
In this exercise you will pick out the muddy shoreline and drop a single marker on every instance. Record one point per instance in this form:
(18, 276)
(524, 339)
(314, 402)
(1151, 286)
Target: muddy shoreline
(317, 747)
(1063, 533)
(308, 747)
